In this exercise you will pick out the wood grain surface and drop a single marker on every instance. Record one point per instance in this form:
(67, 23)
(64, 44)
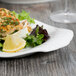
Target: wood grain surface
(61, 62)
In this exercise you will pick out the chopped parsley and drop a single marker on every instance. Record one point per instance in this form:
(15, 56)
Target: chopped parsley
(9, 21)
(16, 23)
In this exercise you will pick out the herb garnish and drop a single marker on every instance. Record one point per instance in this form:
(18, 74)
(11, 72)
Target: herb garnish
(23, 15)
(37, 37)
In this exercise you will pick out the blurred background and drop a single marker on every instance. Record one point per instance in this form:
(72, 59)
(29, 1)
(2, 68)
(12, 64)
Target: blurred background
(24, 1)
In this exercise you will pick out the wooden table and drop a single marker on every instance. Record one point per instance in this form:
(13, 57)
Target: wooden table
(61, 62)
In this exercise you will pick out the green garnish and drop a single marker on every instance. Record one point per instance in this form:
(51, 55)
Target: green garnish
(4, 18)
(4, 24)
(12, 21)
(7, 18)
(24, 15)
(37, 36)
(16, 23)
(8, 21)
(37, 30)
(33, 41)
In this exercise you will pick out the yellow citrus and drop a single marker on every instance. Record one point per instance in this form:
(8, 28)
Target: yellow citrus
(13, 44)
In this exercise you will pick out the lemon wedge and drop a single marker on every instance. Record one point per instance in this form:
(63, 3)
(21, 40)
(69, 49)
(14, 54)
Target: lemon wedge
(13, 44)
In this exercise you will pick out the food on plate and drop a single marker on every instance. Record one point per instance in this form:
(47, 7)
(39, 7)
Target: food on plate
(13, 44)
(9, 23)
(23, 15)
(37, 36)
(16, 32)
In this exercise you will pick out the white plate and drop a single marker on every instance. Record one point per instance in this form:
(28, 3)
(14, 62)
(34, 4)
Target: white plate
(58, 38)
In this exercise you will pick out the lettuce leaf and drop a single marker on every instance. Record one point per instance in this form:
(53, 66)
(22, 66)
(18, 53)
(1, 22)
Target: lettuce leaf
(33, 41)
(24, 15)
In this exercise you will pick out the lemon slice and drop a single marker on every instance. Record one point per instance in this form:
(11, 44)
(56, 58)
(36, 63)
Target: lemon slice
(13, 44)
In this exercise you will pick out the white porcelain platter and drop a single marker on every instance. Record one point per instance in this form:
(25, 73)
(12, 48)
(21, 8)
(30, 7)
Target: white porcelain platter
(59, 38)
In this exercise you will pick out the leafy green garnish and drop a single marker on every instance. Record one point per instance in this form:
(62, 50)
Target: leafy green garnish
(37, 36)
(33, 41)
(16, 14)
(37, 30)
(23, 15)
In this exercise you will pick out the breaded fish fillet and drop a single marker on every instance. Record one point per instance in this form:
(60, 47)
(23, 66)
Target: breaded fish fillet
(8, 22)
